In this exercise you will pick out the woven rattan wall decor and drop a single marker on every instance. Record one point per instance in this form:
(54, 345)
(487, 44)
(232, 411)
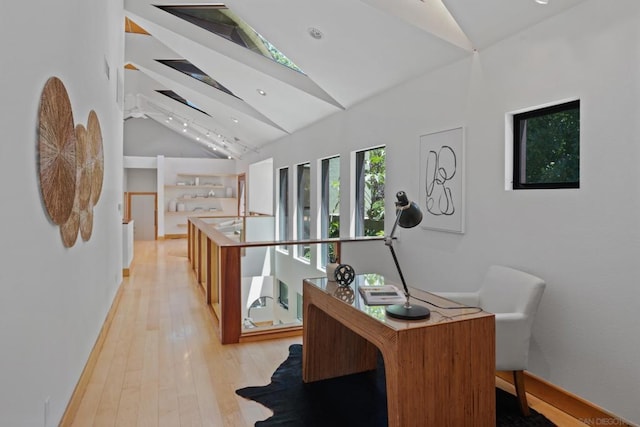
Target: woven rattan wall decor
(86, 223)
(57, 151)
(95, 164)
(71, 163)
(69, 230)
(86, 168)
(94, 134)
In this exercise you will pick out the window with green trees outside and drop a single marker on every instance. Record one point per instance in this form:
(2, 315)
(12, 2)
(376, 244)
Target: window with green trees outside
(370, 176)
(547, 147)
(330, 205)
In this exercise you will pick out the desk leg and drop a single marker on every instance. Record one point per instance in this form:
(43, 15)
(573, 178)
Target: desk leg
(331, 350)
(442, 376)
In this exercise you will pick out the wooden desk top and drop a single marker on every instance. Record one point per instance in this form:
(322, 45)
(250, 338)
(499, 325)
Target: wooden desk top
(442, 309)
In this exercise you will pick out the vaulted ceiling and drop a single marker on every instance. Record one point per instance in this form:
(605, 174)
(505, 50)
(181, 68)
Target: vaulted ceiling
(199, 71)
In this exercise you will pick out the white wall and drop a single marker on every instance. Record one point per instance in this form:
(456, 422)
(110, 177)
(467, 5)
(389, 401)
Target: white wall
(54, 300)
(260, 187)
(585, 243)
(148, 138)
(141, 180)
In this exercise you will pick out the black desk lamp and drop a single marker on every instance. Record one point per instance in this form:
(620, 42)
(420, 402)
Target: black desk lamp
(408, 216)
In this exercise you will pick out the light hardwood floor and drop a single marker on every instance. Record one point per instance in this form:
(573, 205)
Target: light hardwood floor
(163, 365)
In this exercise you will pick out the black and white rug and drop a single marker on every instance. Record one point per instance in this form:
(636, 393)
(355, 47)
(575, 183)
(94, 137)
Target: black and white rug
(349, 401)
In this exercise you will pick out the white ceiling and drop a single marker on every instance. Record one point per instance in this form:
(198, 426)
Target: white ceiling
(368, 46)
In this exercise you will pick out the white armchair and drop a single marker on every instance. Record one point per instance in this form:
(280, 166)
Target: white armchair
(513, 296)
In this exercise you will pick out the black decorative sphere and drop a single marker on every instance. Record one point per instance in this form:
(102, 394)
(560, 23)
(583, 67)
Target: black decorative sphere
(345, 274)
(345, 293)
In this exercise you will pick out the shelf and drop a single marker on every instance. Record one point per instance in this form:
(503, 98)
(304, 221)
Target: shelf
(217, 212)
(180, 188)
(218, 186)
(207, 175)
(202, 199)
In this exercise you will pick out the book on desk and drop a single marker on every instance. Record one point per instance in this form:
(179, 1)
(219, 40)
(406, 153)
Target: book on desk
(382, 295)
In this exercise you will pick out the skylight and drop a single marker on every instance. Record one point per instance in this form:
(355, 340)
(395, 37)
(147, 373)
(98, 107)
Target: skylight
(220, 20)
(171, 94)
(191, 70)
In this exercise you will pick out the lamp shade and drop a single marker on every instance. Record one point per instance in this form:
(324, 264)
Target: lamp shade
(410, 213)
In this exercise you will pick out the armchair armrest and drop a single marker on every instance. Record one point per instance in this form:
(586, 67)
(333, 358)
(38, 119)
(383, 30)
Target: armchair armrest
(513, 332)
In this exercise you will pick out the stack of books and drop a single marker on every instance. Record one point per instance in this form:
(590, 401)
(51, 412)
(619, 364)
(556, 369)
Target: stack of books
(382, 295)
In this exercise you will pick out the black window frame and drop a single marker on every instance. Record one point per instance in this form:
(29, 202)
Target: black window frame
(283, 206)
(283, 294)
(361, 163)
(518, 165)
(325, 208)
(299, 306)
(303, 212)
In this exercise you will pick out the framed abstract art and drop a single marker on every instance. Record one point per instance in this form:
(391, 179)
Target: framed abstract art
(441, 191)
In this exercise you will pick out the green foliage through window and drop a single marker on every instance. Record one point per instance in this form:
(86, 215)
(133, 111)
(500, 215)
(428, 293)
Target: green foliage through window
(303, 173)
(330, 205)
(371, 172)
(547, 147)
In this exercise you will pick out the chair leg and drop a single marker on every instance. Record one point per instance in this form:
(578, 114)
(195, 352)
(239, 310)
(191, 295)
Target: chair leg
(518, 381)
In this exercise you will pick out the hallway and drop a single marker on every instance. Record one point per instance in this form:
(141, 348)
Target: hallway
(162, 363)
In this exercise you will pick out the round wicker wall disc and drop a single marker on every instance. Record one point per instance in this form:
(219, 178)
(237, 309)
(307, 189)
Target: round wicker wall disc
(94, 136)
(85, 167)
(69, 230)
(86, 223)
(57, 151)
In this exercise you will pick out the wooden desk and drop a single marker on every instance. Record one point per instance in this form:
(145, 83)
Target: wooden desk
(439, 371)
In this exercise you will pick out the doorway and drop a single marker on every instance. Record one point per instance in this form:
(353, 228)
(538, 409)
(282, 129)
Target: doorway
(142, 209)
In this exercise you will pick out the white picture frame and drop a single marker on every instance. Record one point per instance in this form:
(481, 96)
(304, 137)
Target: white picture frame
(441, 186)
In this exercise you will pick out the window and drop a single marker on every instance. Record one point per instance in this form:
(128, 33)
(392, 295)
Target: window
(171, 94)
(546, 150)
(189, 69)
(220, 20)
(283, 205)
(370, 177)
(299, 306)
(303, 211)
(330, 205)
(283, 294)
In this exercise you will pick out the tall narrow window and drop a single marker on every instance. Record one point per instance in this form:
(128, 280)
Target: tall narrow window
(303, 211)
(546, 150)
(299, 306)
(283, 294)
(330, 205)
(370, 177)
(283, 206)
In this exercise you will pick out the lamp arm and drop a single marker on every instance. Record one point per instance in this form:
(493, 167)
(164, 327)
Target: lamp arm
(395, 260)
(389, 242)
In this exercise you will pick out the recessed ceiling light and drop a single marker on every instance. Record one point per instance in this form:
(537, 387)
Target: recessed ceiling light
(542, 1)
(184, 130)
(184, 124)
(197, 138)
(261, 92)
(315, 33)
(234, 120)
